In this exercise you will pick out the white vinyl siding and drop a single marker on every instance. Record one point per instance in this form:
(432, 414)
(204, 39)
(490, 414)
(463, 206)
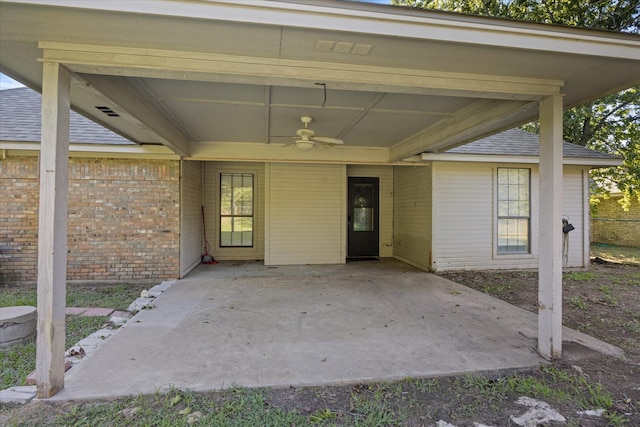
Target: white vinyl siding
(575, 206)
(212, 209)
(412, 206)
(191, 243)
(306, 211)
(465, 218)
(385, 175)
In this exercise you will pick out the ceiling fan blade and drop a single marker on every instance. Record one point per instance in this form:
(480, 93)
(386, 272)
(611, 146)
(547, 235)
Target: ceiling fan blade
(328, 140)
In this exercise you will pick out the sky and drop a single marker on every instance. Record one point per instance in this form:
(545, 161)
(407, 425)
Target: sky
(8, 83)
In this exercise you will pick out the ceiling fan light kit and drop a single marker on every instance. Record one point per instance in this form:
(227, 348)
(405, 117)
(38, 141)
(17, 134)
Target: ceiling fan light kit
(307, 138)
(305, 145)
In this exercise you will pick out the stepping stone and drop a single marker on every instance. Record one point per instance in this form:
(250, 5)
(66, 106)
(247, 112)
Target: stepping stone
(76, 310)
(98, 312)
(19, 394)
(31, 378)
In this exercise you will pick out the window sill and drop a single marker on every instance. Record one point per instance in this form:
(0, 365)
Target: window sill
(513, 256)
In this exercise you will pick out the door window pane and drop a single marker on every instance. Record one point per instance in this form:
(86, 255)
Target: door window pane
(363, 211)
(236, 210)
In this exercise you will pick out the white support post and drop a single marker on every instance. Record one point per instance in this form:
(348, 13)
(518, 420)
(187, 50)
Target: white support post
(550, 240)
(52, 229)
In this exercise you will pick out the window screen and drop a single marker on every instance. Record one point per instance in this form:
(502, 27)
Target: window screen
(514, 206)
(236, 210)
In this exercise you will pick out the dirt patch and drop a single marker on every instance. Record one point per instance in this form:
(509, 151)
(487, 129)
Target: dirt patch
(603, 302)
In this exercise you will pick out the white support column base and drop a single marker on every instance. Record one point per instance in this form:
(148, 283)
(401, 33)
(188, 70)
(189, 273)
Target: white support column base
(550, 240)
(52, 230)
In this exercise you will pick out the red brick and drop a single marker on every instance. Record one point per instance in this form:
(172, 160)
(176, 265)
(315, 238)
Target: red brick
(98, 312)
(110, 200)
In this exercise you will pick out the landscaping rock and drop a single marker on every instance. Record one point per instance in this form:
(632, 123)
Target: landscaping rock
(539, 413)
(163, 286)
(140, 304)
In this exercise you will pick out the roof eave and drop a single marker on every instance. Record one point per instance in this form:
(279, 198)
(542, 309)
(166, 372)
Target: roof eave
(95, 150)
(486, 158)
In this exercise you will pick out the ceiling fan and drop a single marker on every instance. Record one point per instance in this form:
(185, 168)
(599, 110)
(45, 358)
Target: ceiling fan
(307, 139)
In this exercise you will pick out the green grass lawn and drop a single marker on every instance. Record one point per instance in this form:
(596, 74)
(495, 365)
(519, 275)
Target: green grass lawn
(398, 403)
(116, 296)
(20, 360)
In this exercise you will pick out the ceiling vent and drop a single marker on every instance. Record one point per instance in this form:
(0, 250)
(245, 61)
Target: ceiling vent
(343, 47)
(108, 111)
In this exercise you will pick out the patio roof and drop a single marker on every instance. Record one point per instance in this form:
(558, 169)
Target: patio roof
(230, 80)
(20, 115)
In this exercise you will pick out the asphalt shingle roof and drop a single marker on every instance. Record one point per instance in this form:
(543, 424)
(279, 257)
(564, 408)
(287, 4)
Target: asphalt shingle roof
(517, 142)
(20, 112)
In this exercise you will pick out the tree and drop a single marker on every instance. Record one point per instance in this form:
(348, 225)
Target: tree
(610, 124)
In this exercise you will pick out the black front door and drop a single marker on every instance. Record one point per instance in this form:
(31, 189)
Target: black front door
(363, 218)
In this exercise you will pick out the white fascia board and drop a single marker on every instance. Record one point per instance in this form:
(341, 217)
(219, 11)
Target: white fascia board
(289, 153)
(389, 21)
(117, 60)
(486, 158)
(96, 150)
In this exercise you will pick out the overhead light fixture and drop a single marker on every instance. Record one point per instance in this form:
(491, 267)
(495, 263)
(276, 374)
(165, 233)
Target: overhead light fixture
(305, 144)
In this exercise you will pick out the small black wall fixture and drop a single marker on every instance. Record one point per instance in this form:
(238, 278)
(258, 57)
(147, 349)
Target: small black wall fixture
(566, 226)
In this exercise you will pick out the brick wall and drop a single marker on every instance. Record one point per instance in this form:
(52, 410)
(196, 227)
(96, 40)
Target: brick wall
(611, 224)
(18, 218)
(124, 221)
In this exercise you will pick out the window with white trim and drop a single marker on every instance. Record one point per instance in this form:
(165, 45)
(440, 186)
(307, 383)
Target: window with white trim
(236, 210)
(514, 210)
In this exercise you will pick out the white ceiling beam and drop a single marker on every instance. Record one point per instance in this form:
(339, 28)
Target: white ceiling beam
(125, 61)
(468, 123)
(128, 103)
(248, 152)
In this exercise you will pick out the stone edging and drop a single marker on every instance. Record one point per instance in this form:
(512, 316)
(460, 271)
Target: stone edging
(85, 347)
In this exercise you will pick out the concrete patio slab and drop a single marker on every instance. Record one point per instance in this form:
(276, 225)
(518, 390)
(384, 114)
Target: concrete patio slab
(250, 325)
